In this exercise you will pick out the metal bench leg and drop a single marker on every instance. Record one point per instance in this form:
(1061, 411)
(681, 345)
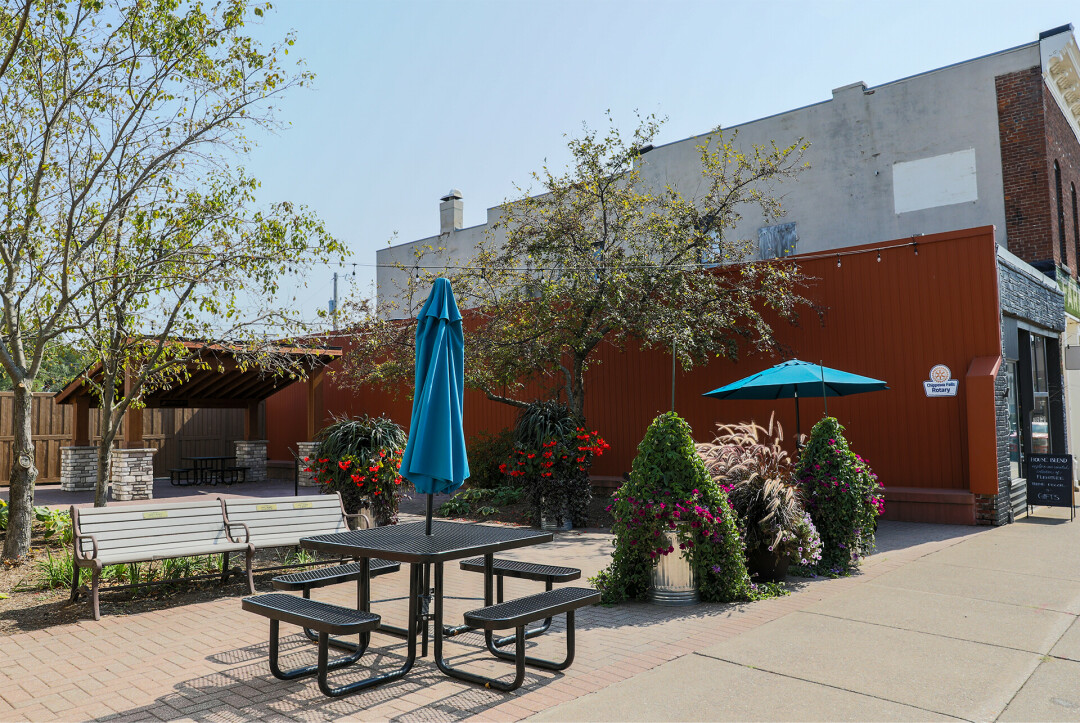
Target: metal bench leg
(224, 568)
(519, 656)
(323, 665)
(95, 580)
(529, 634)
(415, 583)
(75, 575)
(362, 603)
(250, 558)
(539, 662)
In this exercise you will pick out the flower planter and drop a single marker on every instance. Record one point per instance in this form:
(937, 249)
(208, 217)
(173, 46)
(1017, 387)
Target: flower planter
(673, 580)
(550, 525)
(766, 566)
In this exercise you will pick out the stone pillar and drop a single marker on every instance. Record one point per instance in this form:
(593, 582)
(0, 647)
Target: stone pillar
(132, 474)
(307, 449)
(251, 453)
(78, 468)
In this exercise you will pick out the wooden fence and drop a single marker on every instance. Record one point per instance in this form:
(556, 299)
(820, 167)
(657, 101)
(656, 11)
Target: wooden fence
(175, 433)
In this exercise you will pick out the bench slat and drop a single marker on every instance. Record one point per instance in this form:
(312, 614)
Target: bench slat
(165, 553)
(515, 613)
(203, 526)
(309, 502)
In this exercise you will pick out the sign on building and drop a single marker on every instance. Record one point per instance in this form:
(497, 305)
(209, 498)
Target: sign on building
(941, 383)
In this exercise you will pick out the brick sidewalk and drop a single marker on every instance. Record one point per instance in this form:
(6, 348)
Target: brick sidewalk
(208, 661)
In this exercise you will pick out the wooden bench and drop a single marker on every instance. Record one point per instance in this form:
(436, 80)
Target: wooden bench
(547, 574)
(327, 620)
(140, 533)
(283, 521)
(516, 614)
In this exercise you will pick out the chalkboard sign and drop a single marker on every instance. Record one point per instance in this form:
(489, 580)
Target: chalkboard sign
(1050, 480)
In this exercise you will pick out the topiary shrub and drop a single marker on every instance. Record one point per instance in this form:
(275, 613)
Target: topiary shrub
(669, 489)
(843, 497)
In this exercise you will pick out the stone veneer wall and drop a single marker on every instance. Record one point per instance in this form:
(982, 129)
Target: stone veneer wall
(307, 449)
(78, 468)
(132, 474)
(1024, 298)
(251, 453)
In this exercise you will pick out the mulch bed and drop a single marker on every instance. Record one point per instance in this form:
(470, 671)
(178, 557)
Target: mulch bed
(522, 514)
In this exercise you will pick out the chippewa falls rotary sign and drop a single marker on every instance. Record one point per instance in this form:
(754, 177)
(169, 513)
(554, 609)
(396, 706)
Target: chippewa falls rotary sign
(941, 383)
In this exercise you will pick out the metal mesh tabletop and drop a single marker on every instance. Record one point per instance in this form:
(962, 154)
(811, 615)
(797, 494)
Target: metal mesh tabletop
(408, 543)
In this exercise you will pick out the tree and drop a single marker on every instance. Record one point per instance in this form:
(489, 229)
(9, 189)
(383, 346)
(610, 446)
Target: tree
(112, 112)
(605, 256)
(175, 273)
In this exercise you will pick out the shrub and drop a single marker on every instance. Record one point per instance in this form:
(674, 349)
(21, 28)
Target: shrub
(487, 452)
(670, 489)
(482, 502)
(361, 459)
(750, 464)
(843, 497)
(551, 458)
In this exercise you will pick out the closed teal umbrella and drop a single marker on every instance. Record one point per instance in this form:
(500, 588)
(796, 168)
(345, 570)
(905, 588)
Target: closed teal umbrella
(435, 460)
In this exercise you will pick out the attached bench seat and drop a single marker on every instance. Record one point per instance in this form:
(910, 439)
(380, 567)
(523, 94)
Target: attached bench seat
(327, 620)
(140, 533)
(323, 576)
(503, 568)
(519, 613)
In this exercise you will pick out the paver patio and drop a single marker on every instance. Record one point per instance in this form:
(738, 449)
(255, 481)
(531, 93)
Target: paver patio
(208, 661)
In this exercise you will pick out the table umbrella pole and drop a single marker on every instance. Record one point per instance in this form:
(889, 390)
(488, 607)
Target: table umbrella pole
(798, 426)
(427, 524)
(823, 396)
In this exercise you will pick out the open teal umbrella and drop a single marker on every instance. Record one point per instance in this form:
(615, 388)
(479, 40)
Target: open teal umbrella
(795, 379)
(434, 459)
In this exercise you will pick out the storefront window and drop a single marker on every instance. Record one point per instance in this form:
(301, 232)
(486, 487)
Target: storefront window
(1014, 420)
(1040, 410)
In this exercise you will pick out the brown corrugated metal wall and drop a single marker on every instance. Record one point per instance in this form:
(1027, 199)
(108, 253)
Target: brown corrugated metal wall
(891, 320)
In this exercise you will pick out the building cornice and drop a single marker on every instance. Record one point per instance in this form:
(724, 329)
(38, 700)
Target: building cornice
(1061, 73)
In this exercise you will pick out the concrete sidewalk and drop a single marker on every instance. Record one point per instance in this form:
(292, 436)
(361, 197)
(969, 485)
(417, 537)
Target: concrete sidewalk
(985, 629)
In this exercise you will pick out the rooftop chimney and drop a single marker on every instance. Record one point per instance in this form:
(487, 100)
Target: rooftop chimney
(450, 212)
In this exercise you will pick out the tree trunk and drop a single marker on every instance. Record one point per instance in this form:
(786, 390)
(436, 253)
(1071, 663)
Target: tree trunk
(577, 388)
(23, 476)
(108, 434)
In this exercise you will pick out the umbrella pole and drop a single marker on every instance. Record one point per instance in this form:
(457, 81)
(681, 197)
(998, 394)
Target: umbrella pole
(822, 368)
(798, 427)
(427, 525)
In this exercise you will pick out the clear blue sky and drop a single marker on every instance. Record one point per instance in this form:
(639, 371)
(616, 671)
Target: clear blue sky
(413, 98)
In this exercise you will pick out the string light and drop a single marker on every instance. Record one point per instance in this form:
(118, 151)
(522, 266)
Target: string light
(879, 257)
(916, 245)
(838, 261)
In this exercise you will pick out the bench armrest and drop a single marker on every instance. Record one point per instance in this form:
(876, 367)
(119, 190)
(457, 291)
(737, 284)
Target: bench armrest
(363, 517)
(228, 531)
(76, 541)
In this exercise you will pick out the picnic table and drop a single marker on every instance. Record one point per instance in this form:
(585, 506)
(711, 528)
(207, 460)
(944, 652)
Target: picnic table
(407, 543)
(210, 469)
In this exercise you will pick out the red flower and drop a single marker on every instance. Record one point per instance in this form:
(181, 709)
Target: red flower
(307, 459)
(344, 464)
(356, 478)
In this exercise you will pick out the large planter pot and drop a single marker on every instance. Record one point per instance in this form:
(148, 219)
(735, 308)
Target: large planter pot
(550, 525)
(673, 580)
(765, 566)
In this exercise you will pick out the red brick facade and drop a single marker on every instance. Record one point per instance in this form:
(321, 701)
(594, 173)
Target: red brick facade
(1034, 134)
(1023, 164)
(1062, 146)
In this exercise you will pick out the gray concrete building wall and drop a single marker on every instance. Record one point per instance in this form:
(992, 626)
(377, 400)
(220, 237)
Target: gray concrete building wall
(885, 162)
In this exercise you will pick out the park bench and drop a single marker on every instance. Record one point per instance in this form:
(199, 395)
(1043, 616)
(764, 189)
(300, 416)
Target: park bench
(283, 521)
(141, 533)
(516, 614)
(548, 574)
(327, 620)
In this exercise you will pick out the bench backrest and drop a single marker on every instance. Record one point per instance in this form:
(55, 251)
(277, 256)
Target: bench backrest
(158, 527)
(284, 520)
